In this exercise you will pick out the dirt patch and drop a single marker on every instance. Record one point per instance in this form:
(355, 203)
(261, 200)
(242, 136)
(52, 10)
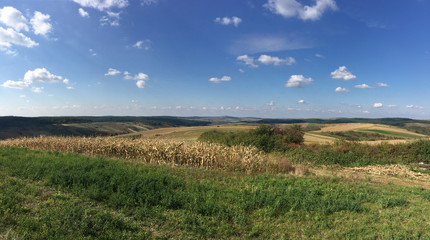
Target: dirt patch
(390, 170)
(378, 174)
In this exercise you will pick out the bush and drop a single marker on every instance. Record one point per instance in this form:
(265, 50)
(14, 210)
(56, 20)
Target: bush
(265, 137)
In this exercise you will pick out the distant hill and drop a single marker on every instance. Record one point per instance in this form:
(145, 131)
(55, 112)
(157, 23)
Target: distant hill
(11, 127)
(399, 122)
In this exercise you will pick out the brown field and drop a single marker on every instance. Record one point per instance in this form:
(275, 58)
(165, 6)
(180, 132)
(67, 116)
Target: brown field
(184, 133)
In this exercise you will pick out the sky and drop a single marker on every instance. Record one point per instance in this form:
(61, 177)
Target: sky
(244, 58)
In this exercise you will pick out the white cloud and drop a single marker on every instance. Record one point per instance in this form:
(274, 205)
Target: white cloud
(8, 51)
(363, 86)
(41, 75)
(9, 37)
(112, 72)
(12, 17)
(266, 59)
(247, 60)
(16, 84)
(40, 23)
(342, 73)
(271, 103)
(70, 88)
(141, 84)
(102, 4)
(83, 13)
(378, 105)
(139, 76)
(381, 84)
(391, 106)
(319, 55)
(298, 81)
(92, 52)
(292, 8)
(227, 21)
(340, 89)
(112, 19)
(38, 75)
(219, 80)
(301, 101)
(143, 44)
(37, 89)
(148, 2)
(241, 70)
(415, 107)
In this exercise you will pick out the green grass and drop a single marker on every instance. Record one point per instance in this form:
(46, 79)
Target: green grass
(391, 133)
(50, 195)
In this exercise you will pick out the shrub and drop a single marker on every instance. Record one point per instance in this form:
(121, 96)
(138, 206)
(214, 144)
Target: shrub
(265, 137)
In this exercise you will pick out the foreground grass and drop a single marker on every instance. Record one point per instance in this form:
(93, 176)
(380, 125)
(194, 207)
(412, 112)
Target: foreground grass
(50, 195)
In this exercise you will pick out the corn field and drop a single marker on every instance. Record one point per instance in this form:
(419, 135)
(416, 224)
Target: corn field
(192, 154)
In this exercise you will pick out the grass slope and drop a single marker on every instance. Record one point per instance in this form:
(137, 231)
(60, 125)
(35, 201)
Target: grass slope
(49, 195)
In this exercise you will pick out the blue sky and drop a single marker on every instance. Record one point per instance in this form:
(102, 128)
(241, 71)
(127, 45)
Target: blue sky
(256, 58)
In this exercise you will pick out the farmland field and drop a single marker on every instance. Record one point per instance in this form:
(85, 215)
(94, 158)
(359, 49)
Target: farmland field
(164, 184)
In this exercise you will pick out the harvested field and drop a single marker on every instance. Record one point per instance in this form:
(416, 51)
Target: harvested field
(184, 133)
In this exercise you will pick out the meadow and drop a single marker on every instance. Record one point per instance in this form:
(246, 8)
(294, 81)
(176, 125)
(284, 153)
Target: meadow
(165, 184)
(52, 195)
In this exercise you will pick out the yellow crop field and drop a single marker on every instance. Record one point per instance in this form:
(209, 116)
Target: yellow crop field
(193, 154)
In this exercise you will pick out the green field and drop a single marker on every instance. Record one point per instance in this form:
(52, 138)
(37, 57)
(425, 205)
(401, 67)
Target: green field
(50, 195)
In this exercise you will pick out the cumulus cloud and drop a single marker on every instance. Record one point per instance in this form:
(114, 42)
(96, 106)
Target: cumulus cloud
(143, 44)
(341, 89)
(298, 81)
(227, 21)
(38, 75)
(40, 23)
(112, 72)
(9, 37)
(16, 84)
(83, 13)
(247, 60)
(139, 76)
(41, 75)
(292, 8)
(266, 59)
(219, 80)
(378, 105)
(342, 73)
(379, 84)
(363, 86)
(102, 4)
(301, 101)
(112, 18)
(12, 17)
(141, 84)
